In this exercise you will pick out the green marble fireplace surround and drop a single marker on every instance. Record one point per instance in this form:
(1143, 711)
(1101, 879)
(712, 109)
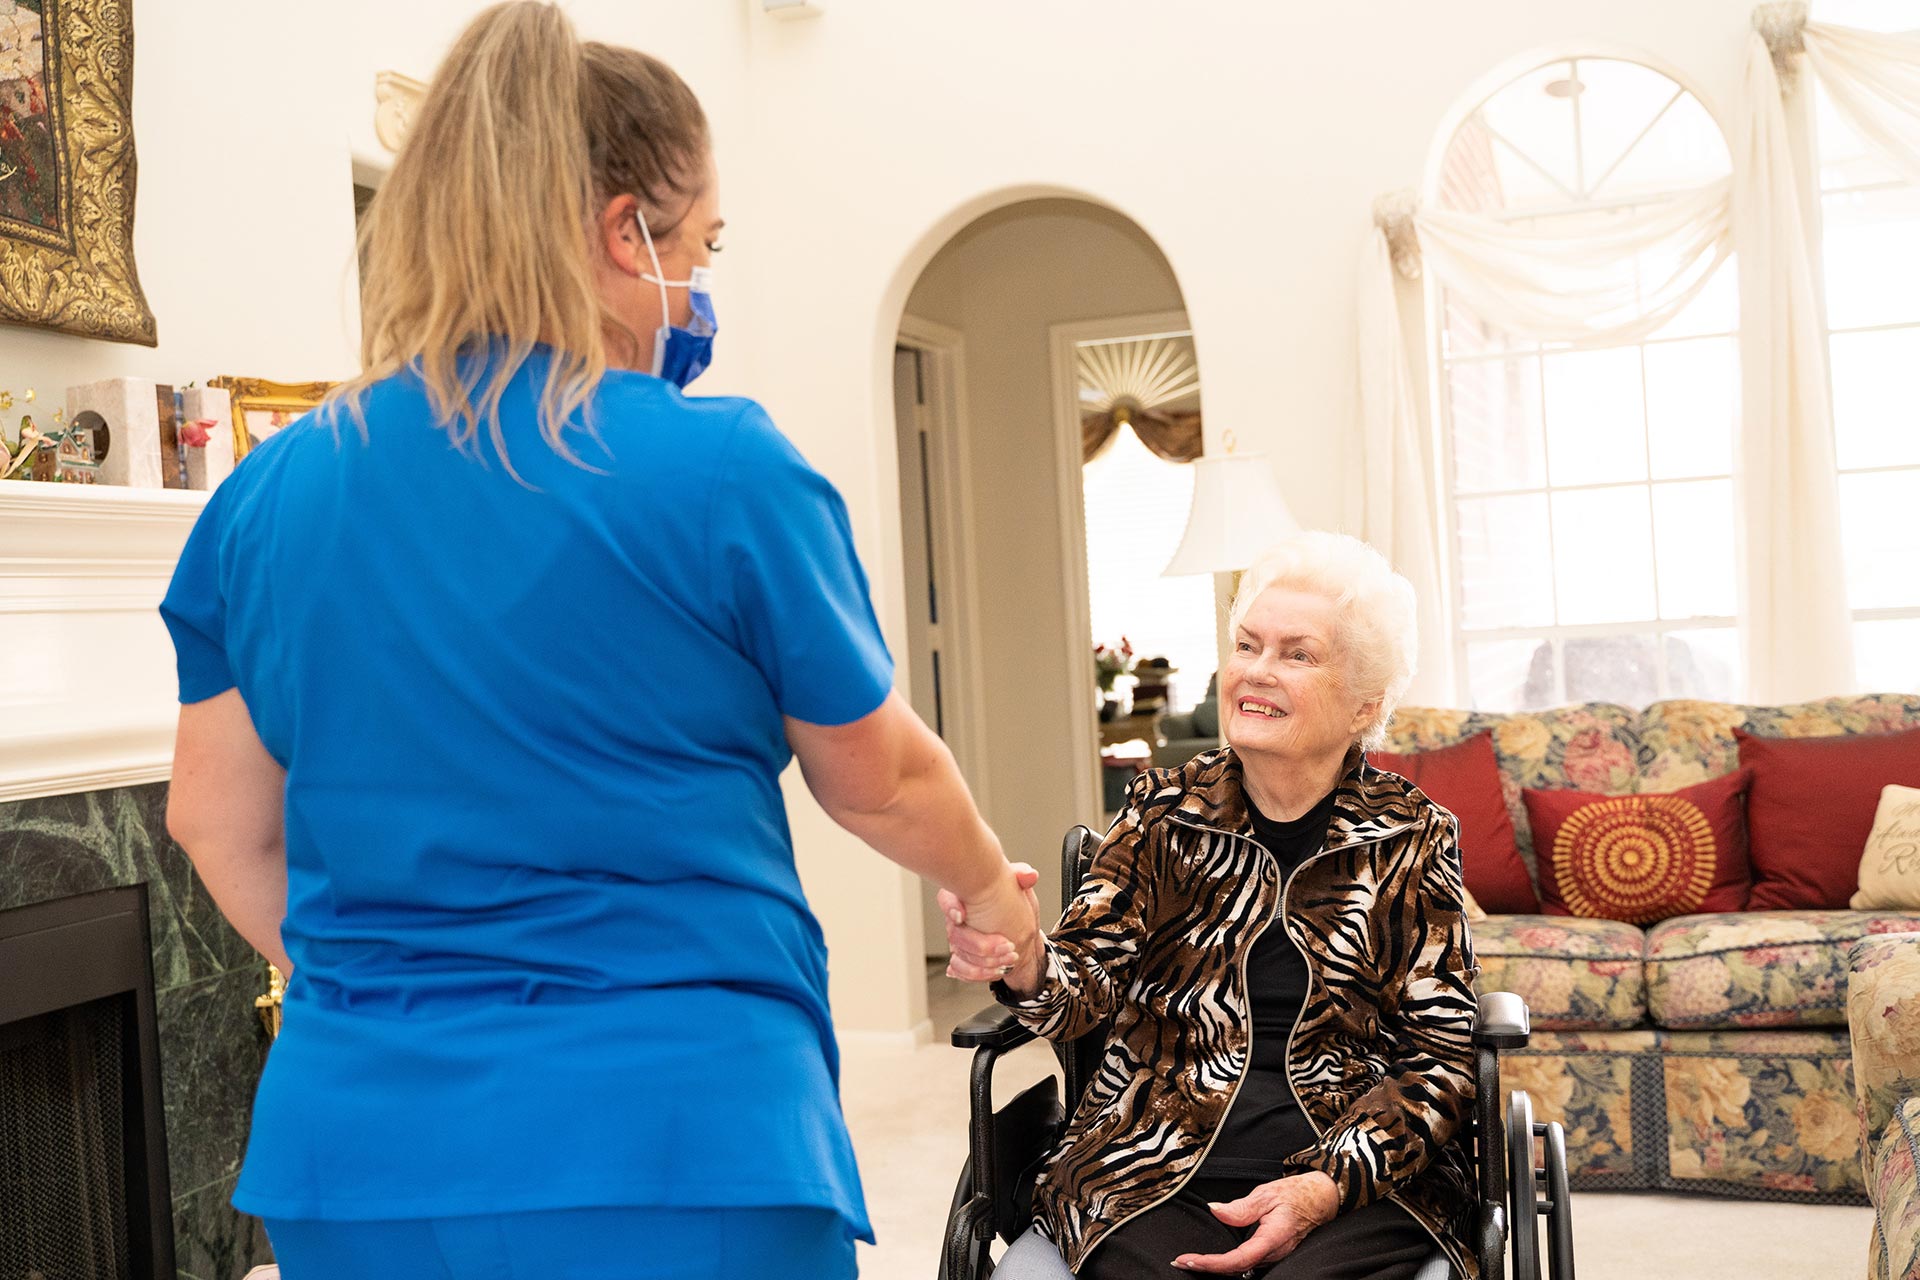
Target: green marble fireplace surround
(205, 978)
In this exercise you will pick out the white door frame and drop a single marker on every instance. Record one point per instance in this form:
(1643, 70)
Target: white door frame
(944, 367)
(1082, 716)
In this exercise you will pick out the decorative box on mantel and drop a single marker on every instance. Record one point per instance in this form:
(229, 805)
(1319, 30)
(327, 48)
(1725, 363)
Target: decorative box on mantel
(87, 689)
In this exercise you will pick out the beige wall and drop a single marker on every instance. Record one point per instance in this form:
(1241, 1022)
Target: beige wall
(1001, 283)
(852, 148)
(1251, 155)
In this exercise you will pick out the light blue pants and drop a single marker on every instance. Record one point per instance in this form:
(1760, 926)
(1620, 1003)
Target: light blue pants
(1032, 1257)
(572, 1244)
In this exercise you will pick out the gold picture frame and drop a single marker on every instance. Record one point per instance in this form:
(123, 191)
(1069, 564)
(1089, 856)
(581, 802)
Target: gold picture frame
(261, 407)
(67, 170)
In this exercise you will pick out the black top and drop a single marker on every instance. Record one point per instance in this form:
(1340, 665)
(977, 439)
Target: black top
(1265, 1124)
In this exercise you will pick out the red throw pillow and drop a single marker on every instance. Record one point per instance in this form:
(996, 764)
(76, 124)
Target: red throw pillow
(1642, 858)
(1464, 779)
(1812, 811)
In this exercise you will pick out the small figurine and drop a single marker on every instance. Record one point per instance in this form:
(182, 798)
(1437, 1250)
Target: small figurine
(30, 441)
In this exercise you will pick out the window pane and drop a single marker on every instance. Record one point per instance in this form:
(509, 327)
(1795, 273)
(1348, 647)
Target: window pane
(1603, 556)
(1470, 176)
(1596, 429)
(1876, 397)
(1534, 127)
(1465, 334)
(1887, 655)
(1136, 508)
(1623, 669)
(1683, 150)
(1872, 246)
(1694, 541)
(1511, 675)
(1506, 569)
(1704, 664)
(1881, 538)
(1618, 102)
(1693, 402)
(1497, 441)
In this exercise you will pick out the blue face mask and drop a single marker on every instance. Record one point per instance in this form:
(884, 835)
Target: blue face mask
(681, 354)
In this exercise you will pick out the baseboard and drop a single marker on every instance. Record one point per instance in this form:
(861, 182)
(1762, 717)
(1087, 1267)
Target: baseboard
(917, 1036)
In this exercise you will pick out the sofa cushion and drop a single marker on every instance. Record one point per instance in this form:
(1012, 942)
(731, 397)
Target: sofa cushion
(1575, 975)
(1641, 858)
(1890, 864)
(1464, 779)
(1592, 747)
(1757, 969)
(1812, 808)
(1761, 1113)
(1585, 1080)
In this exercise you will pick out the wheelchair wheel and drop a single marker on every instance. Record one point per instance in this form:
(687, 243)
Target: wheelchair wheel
(1523, 1217)
(1560, 1210)
(1537, 1191)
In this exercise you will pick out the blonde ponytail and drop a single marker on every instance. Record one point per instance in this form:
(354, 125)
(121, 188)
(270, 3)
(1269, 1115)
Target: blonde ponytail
(482, 239)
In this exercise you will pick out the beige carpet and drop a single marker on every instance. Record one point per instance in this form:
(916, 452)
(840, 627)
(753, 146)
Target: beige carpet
(908, 1109)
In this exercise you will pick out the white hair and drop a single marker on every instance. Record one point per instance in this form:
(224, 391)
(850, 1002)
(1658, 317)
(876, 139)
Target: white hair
(1378, 637)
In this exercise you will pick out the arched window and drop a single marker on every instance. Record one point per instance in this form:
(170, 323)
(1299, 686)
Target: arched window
(1870, 213)
(1589, 493)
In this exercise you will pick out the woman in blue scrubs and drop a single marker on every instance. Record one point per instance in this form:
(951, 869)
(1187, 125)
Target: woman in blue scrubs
(489, 671)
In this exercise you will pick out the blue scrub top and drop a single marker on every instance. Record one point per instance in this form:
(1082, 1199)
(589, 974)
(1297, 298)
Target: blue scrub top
(551, 949)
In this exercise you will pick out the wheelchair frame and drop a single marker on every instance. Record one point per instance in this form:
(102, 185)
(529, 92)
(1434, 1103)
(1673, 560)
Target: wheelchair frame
(1514, 1189)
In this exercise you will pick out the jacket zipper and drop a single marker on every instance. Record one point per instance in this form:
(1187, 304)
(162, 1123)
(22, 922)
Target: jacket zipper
(1285, 886)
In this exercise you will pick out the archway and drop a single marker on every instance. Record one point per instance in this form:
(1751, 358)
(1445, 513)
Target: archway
(984, 382)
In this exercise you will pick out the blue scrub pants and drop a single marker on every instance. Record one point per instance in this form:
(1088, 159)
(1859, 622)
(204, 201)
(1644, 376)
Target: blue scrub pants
(572, 1244)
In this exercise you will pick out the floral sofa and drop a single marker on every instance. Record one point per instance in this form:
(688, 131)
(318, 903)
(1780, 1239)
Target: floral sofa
(1705, 1053)
(1883, 1011)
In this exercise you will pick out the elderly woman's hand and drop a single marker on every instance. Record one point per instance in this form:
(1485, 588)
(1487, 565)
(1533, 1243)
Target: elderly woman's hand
(1281, 1214)
(979, 956)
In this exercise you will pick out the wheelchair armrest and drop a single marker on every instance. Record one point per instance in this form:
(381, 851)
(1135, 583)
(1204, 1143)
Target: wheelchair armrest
(991, 1028)
(1503, 1022)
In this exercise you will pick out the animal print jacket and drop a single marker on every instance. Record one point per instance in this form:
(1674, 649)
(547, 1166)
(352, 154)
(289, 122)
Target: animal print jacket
(1154, 950)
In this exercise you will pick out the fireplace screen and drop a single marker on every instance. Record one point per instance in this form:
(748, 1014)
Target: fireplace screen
(63, 1194)
(83, 1152)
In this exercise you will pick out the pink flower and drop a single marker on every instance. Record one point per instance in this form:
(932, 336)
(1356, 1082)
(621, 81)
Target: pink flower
(1593, 758)
(195, 433)
(1787, 1181)
(1537, 938)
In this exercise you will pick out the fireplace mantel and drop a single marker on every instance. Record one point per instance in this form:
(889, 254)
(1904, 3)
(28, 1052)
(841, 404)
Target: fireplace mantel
(87, 692)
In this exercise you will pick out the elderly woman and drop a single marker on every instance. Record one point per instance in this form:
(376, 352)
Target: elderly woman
(1272, 941)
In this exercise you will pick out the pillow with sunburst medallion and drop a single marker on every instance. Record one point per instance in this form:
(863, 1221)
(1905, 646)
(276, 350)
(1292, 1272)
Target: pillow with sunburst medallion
(1643, 858)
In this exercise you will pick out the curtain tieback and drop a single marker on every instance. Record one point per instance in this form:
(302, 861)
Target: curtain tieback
(1394, 214)
(1783, 25)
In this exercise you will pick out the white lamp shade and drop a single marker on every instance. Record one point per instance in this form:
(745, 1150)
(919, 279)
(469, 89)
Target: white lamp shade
(1237, 514)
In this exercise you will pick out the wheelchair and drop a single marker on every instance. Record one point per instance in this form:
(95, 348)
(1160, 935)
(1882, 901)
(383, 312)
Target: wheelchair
(1007, 1147)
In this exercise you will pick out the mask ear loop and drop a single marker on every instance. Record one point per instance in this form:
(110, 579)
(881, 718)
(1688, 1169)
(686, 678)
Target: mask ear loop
(658, 276)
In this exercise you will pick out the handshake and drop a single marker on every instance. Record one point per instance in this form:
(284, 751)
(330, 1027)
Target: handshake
(996, 937)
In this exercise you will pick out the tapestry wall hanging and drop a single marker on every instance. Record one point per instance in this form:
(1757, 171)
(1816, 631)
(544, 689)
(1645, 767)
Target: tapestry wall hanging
(67, 169)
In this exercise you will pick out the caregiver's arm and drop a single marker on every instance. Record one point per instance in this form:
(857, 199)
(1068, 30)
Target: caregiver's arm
(890, 780)
(225, 809)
